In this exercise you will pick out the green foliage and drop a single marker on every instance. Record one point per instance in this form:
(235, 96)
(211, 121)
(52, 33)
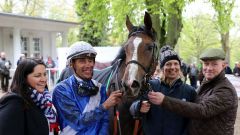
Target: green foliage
(72, 35)
(224, 10)
(33, 7)
(198, 34)
(118, 11)
(7, 6)
(93, 16)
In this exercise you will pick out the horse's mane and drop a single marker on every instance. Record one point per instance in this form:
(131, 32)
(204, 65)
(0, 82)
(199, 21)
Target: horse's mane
(121, 55)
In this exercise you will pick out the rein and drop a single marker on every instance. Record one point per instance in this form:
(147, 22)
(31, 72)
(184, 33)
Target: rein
(145, 88)
(115, 86)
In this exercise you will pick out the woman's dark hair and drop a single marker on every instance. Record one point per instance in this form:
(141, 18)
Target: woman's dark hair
(19, 83)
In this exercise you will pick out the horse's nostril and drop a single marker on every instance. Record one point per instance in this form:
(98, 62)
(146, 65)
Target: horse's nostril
(135, 84)
(124, 84)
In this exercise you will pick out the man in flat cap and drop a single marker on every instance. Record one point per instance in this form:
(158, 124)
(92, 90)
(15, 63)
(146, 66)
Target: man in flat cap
(215, 107)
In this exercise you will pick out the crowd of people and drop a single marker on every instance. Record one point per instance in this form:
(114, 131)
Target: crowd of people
(82, 105)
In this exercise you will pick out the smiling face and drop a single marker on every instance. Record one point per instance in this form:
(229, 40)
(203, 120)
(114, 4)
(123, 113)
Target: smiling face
(212, 68)
(83, 67)
(38, 78)
(171, 70)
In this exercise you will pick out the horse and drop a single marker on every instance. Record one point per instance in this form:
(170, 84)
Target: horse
(130, 71)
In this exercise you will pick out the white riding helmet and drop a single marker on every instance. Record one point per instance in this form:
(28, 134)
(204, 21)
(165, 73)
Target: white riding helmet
(81, 49)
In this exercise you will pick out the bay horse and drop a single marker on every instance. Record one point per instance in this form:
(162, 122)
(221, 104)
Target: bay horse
(130, 70)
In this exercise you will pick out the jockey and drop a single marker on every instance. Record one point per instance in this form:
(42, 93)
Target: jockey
(80, 101)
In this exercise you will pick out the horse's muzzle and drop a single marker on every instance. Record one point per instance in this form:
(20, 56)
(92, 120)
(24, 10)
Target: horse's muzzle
(131, 88)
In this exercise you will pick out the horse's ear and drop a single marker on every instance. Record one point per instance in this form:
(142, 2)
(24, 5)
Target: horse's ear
(129, 24)
(148, 21)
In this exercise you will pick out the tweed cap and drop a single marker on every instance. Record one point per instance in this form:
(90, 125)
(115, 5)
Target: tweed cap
(212, 54)
(81, 50)
(166, 54)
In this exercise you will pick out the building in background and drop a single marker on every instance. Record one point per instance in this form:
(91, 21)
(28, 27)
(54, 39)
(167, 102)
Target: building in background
(32, 36)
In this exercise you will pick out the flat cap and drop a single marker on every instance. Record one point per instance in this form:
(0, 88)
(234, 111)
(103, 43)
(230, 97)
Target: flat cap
(212, 54)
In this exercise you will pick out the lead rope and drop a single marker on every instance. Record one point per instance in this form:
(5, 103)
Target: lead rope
(148, 89)
(116, 111)
(116, 123)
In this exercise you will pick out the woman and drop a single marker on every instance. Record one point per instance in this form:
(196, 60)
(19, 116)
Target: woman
(156, 120)
(27, 109)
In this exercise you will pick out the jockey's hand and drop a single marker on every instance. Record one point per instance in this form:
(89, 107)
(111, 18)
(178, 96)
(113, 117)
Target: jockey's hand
(145, 107)
(113, 99)
(156, 97)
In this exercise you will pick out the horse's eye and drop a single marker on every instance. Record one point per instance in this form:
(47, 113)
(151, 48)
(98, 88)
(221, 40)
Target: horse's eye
(150, 48)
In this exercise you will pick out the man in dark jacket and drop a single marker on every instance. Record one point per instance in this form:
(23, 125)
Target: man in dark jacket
(215, 108)
(5, 66)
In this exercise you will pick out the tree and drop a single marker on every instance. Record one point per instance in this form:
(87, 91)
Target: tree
(198, 34)
(33, 7)
(166, 16)
(224, 22)
(7, 6)
(26, 7)
(93, 17)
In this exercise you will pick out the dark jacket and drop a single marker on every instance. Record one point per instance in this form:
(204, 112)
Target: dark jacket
(15, 119)
(214, 110)
(5, 70)
(159, 121)
(228, 70)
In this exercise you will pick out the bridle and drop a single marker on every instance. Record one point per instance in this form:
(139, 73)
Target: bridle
(148, 70)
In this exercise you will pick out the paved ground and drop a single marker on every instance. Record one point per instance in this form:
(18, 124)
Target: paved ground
(237, 124)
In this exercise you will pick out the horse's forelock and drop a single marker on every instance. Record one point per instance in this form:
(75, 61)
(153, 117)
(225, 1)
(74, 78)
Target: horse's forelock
(142, 29)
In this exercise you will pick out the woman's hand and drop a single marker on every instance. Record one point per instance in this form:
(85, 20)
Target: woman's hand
(145, 107)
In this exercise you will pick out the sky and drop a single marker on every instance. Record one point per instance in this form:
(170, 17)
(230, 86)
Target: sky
(204, 7)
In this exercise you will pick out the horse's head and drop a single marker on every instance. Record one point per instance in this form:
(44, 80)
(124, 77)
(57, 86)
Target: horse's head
(141, 55)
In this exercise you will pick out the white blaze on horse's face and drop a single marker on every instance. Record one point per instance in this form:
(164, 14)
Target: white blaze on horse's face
(134, 67)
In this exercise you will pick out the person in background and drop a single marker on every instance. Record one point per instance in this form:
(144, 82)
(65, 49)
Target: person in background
(81, 102)
(51, 64)
(5, 66)
(66, 72)
(27, 109)
(157, 73)
(184, 69)
(236, 70)
(157, 120)
(21, 58)
(228, 70)
(215, 108)
(193, 75)
(200, 74)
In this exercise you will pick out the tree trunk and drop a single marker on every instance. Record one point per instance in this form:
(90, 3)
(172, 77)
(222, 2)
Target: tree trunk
(225, 45)
(174, 26)
(158, 25)
(160, 29)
